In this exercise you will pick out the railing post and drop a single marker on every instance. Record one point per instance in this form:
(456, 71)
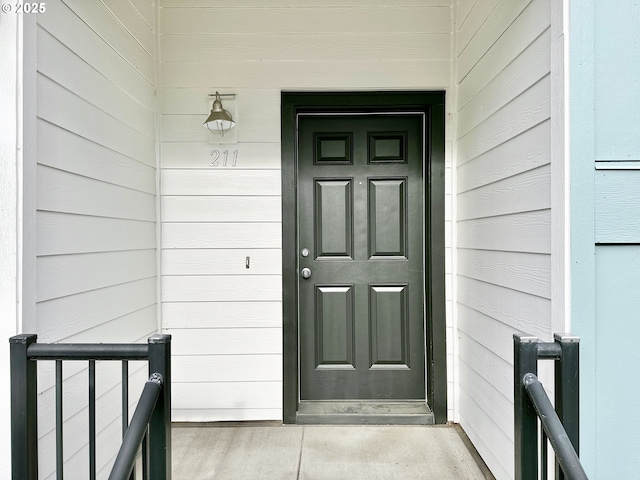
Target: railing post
(567, 390)
(160, 424)
(525, 358)
(24, 410)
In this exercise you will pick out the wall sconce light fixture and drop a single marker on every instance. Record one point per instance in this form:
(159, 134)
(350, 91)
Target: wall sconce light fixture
(219, 120)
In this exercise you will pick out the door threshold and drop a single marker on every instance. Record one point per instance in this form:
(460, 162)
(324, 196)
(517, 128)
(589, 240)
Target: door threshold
(364, 412)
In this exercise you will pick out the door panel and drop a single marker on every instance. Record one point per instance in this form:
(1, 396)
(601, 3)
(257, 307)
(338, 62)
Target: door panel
(387, 218)
(334, 326)
(388, 316)
(361, 312)
(333, 218)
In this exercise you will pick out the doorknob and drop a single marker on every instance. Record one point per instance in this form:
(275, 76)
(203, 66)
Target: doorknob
(306, 272)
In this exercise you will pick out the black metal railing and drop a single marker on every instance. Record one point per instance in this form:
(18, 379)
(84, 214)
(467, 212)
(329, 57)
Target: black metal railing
(150, 424)
(559, 426)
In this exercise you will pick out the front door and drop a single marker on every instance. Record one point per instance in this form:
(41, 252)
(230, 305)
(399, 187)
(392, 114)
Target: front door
(360, 256)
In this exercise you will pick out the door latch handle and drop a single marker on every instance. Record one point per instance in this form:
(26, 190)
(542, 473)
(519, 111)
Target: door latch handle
(306, 272)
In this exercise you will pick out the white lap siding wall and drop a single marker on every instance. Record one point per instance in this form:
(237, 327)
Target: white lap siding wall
(96, 208)
(226, 319)
(503, 169)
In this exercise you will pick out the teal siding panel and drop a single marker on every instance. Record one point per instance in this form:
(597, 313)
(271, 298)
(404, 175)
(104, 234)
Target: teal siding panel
(618, 357)
(617, 69)
(582, 147)
(617, 206)
(604, 131)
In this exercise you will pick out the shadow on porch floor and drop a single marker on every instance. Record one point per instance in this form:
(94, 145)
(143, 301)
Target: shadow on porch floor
(322, 452)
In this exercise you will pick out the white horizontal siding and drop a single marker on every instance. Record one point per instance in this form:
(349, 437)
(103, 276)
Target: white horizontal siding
(299, 3)
(226, 261)
(503, 180)
(486, 437)
(529, 109)
(136, 20)
(65, 316)
(61, 65)
(324, 74)
(250, 395)
(525, 272)
(524, 192)
(527, 151)
(503, 46)
(224, 182)
(91, 160)
(236, 414)
(222, 288)
(524, 312)
(221, 235)
(468, 25)
(113, 31)
(96, 272)
(71, 30)
(523, 72)
(498, 407)
(62, 234)
(65, 109)
(146, 9)
(228, 368)
(177, 315)
(320, 19)
(300, 46)
(224, 208)
(188, 128)
(232, 341)
(192, 155)
(63, 275)
(215, 215)
(521, 232)
(64, 192)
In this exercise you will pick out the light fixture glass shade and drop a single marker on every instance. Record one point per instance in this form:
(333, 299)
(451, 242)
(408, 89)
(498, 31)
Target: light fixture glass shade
(219, 120)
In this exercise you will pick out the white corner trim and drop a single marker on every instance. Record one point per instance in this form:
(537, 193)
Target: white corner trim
(560, 241)
(9, 104)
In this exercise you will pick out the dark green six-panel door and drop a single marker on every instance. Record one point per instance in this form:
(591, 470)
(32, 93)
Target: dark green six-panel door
(361, 321)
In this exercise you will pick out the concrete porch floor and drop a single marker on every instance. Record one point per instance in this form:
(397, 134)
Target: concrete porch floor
(322, 452)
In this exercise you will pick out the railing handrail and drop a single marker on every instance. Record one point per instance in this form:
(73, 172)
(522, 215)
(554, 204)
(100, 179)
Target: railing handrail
(88, 351)
(126, 458)
(25, 352)
(560, 441)
(561, 425)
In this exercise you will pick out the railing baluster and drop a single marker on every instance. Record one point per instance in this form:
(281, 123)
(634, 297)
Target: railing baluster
(544, 464)
(145, 456)
(125, 404)
(526, 424)
(92, 419)
(160, 424)
(559, 426)
(59, 423)
(125, 397)
(24, 409)
(567, 391)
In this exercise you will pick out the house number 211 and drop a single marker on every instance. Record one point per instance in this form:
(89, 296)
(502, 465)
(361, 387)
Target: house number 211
(215, 154)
